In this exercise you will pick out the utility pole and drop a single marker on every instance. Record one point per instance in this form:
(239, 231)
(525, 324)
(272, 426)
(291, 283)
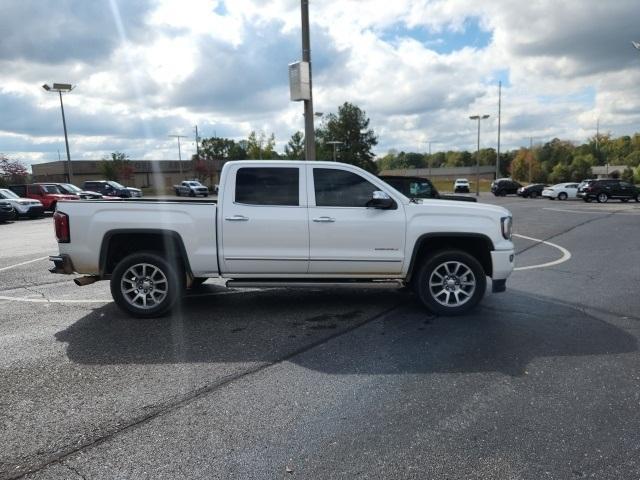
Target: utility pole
(179, 151)
(499, 124)
(478, 118)
(309, 129)
(197, 144)
(530, 156)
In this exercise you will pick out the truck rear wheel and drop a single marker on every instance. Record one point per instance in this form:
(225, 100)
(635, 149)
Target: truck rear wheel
(145, 285)
(450, 282)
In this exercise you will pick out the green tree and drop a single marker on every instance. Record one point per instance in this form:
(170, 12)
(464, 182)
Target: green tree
(526, 166)
(118, 167)
(259, 147)
(351, 127)
(294, 150)
(627, 175)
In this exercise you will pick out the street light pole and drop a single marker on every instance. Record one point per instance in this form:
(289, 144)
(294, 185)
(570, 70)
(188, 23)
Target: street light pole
(63, 87)
(499, 122)
(335, 143)
(309, 129)
(478, 118)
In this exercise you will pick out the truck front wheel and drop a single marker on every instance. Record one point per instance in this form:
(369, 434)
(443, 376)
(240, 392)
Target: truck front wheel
(145, 285)
(450, 282)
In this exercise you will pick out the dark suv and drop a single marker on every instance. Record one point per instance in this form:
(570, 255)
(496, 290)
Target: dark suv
(504, 186)
(112, 189)
(604, 189)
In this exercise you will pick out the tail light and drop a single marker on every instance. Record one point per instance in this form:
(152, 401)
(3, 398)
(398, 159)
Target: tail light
(61, 225)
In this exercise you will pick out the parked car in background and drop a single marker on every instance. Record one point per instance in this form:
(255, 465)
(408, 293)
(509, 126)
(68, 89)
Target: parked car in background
(83, 194)
(531, 191)
(561, 191)
(48, 195)
(23, 207)
(461, 185)
(418, 187)
(504, 186)
(604, 189)
(191, 188)
(6, 211)
(112, 189)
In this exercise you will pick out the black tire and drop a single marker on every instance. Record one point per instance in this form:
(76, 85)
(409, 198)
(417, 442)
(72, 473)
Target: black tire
(435, 263)
(587, 199)
(638, 197)
(52, 206)
(192, 193)
(602, 198)
(562, 196)
(177, 193)
(174, 287)
(533, 195)
(206, 195)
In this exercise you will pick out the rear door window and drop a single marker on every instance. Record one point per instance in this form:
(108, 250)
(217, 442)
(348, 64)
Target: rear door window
(268, 186)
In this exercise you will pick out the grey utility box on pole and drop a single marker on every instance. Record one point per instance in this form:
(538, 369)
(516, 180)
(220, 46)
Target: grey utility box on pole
(299, 81)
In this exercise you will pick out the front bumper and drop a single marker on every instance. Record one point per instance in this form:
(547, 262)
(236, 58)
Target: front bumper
(61, 264)
(7, 215)
(32, 212)
(503, 264)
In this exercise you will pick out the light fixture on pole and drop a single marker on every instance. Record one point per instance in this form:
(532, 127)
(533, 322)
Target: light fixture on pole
(179, 151)
(478, 118)
(335, 143)
(59, 88)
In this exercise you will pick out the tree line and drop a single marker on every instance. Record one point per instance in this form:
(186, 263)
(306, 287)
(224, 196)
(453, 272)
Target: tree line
(348, 135)
(556, 161)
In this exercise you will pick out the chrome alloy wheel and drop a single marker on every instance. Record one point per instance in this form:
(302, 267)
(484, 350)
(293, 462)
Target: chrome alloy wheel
(452, 284)
(144, 286)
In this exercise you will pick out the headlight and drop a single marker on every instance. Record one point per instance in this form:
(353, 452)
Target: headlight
(507, 227)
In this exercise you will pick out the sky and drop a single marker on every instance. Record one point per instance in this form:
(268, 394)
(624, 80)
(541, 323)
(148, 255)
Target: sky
(147, 69)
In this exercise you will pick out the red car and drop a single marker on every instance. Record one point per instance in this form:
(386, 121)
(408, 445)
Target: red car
(47, 194)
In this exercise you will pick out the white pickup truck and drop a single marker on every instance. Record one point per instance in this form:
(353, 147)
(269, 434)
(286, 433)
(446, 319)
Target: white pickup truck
(287, 224)
(191, 188)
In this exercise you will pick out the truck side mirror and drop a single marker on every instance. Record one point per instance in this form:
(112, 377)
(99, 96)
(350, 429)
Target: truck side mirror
(381, 200)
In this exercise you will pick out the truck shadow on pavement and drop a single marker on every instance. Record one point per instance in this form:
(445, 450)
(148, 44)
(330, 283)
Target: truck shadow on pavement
(504, 334)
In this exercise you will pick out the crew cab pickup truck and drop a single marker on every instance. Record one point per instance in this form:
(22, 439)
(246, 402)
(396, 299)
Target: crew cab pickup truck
(191, 188)
(287, 224)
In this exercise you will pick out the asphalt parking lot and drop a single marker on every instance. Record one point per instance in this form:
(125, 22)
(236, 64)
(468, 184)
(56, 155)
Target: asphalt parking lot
(542, 381)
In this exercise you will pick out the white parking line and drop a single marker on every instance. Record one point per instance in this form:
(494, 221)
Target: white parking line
(629, 211)
(566, 255)
(23, 263)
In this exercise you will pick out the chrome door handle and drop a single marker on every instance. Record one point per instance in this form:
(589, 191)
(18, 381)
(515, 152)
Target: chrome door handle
(237, 218)
(324, 220)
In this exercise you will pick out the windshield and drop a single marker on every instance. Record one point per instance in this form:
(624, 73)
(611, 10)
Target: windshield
(115, 184)
(4, 193)
(71, 188)
(51, 189)
(195, 184)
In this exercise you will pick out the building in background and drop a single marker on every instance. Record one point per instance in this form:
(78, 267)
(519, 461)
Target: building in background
(156, 174)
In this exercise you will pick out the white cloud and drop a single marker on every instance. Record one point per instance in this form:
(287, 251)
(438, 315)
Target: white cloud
(167, 65)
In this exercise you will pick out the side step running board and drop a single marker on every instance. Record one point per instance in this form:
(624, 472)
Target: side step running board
(311, 284)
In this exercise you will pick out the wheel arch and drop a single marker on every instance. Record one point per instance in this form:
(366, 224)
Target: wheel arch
(119, 243)
(476, 244)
